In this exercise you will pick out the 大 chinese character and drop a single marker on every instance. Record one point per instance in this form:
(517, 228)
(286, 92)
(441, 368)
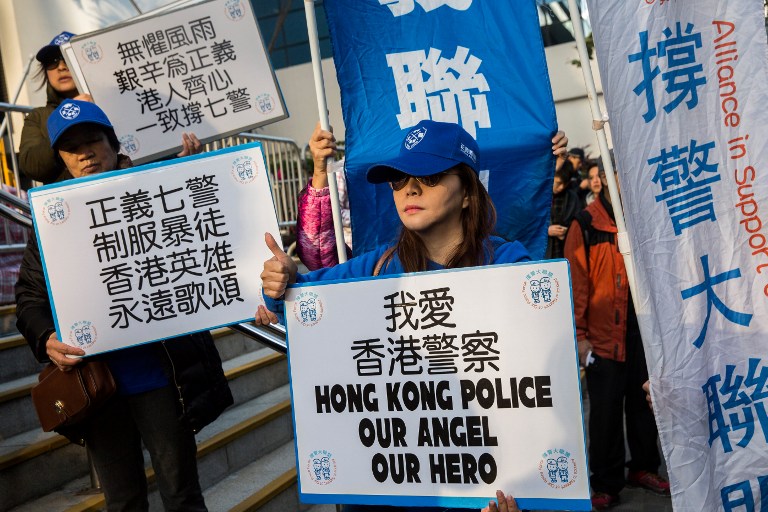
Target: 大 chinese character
(707, 286)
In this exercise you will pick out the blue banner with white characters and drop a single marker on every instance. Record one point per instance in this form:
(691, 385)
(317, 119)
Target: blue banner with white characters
(479, 63)
(686, 86)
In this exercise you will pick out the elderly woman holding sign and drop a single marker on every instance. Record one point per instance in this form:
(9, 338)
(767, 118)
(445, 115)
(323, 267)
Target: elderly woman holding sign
(166, 391)
(447, 218)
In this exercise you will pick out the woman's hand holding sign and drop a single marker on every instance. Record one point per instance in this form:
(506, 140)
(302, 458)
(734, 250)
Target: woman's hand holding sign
(62, 355)
(279, 271)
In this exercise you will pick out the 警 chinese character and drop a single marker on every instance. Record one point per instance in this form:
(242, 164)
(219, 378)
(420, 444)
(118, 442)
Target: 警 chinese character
(689, 200)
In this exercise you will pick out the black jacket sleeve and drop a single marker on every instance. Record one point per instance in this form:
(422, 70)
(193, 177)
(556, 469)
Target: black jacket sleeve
(34, 318)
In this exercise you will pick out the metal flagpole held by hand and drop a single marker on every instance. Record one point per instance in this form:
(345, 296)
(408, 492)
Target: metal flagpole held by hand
(598, 124)
(322, 107)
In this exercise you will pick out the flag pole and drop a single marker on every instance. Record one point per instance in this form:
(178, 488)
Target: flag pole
(598, 124)
(322, 107)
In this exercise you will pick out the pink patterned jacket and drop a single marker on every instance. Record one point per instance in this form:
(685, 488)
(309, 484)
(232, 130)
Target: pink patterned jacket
(315, 239)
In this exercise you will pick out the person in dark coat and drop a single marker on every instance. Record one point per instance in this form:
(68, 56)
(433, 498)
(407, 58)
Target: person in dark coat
(166, 391)
(36, 158)
(565, 206)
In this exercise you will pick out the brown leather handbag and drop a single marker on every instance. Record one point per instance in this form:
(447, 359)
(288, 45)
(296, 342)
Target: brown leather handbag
(64, 399)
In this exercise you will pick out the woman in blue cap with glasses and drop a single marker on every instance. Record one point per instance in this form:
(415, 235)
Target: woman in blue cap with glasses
(447, 216)
(36, 158)
(447, 222)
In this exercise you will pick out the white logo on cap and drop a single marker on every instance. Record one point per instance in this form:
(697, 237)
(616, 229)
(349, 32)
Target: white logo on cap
(468, 152)
(69, 111)
(61, 39)
(413, 138)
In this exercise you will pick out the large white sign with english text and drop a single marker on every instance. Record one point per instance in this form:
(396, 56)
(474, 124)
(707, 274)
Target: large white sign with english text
(153, 252)
(201, 69)
(436, 389)
(686, 85)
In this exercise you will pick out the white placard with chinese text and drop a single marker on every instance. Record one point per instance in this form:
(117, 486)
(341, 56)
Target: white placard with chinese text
(157, 251)
(436, 389)
(686, 84)
(200, 69)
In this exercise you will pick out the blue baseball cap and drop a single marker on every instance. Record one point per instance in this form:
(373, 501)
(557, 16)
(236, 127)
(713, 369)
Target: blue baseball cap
(71, 113)
(429, 148)
(52, 49)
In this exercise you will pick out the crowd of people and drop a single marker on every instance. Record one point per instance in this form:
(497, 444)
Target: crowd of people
(448, 221)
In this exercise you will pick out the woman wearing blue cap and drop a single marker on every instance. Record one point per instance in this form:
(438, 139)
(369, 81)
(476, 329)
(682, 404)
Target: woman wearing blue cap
(447, 218)
(36, 158)
(446, 212)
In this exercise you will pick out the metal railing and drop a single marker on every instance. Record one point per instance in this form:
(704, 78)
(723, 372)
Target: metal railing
(9, 109)
(285, 165)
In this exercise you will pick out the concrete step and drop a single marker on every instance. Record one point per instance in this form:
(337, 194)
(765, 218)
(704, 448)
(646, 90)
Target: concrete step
(8, 320)
(240, 436)
(16, 359)
(253, 377)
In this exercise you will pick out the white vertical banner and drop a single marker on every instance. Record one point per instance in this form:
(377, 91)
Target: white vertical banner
(686, 88)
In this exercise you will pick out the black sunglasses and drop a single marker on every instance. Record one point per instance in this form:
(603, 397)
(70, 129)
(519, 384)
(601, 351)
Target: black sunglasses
(53, 63)
(400, 180)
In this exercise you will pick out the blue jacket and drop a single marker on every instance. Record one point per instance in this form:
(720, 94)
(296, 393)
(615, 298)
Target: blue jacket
(363, 266)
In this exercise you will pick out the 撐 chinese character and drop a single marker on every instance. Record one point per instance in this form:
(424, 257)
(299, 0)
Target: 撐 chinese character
(679, 50)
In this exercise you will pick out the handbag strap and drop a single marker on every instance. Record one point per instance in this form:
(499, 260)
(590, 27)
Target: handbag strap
(384, 258)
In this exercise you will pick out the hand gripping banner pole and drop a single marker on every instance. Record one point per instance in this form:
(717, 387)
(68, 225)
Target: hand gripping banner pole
(322, 107)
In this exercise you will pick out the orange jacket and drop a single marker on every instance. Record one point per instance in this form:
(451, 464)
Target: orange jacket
(600, 287)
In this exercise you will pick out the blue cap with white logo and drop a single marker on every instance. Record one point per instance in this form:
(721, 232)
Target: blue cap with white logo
(71, 113)
(52, 49)
(429, 148)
